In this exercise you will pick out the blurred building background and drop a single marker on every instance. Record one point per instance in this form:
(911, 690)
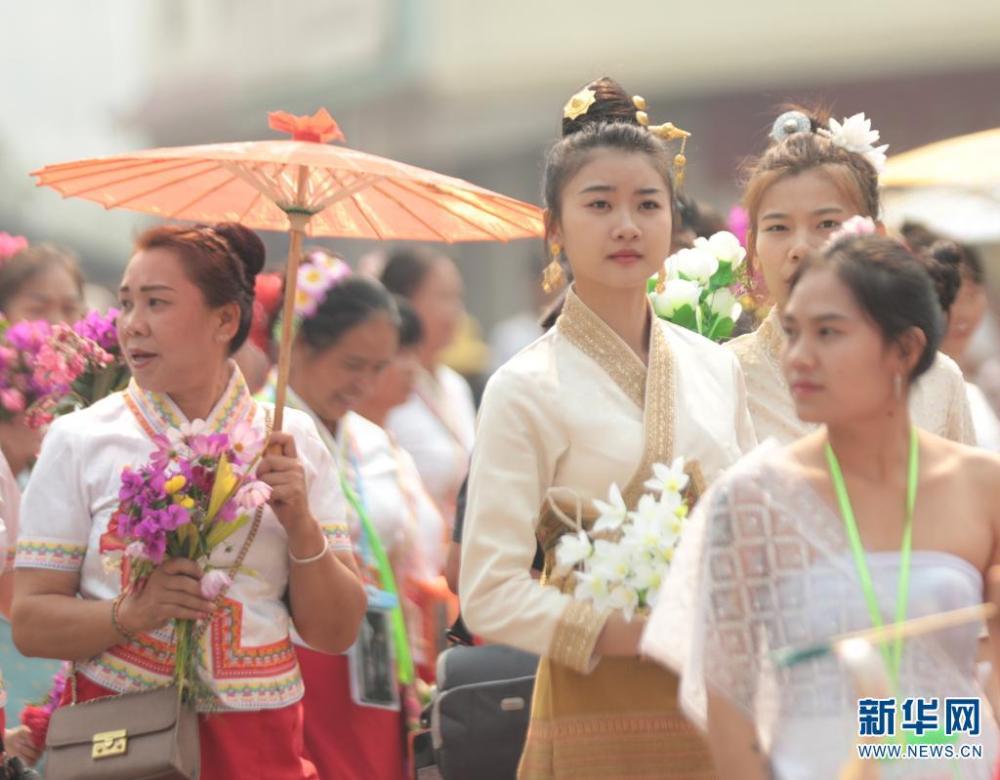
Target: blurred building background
(472, 89)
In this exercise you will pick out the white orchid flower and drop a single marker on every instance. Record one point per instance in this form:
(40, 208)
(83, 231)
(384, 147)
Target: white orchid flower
(645, 576)
(573, 549)
(668, 479)
(697, 264)
(726, 247)
(592, 587)
(625, 599)
(676, 294)
(649, 521)
(610, 560)
(612, 513)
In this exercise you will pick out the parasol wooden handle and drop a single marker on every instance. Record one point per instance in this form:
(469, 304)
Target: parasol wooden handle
(297, 221)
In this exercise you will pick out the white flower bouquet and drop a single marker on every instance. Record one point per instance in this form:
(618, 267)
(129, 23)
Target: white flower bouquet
(698, 293)
(620, 563)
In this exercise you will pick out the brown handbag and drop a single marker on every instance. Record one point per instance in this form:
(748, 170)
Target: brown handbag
(135, 736)
(150, 735)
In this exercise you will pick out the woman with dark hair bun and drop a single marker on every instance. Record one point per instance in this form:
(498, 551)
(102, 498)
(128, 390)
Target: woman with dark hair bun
(358, 705)
(814, 175)
(186, 299)
(607, 392)
(965, 314)
(865, 521)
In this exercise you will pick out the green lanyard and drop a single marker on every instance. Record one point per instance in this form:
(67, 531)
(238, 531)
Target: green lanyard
(893, 655)
(404, 661)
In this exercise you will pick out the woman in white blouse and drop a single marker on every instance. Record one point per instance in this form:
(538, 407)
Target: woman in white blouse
(348, 335)
(186, 300)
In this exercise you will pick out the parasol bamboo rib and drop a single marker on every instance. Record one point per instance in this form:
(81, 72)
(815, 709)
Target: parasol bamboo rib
(158, 188)
(174, 214)
(88, 169)
(253, 202)
(443, 204)
(362, 207)
(138, 177)
(421, 194)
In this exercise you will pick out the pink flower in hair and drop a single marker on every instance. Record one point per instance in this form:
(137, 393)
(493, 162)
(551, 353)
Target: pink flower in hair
(854, 227)
(11, 245)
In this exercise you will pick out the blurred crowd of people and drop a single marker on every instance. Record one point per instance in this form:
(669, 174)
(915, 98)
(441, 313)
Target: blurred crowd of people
(391, 511)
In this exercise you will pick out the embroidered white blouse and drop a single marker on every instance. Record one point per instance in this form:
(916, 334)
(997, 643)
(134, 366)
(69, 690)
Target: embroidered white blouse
(436, 426)
(73, 491)
(567, 416)
(938, 401)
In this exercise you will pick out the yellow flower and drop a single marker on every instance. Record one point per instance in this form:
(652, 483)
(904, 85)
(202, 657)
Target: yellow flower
(185, 501)
(580, 103)
(174, 484)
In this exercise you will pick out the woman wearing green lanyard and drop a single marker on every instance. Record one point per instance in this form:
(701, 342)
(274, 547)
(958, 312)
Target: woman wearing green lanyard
(864, 522)
(347, 333)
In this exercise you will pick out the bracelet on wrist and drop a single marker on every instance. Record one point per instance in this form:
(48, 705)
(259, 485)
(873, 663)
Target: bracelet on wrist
(322, 553)
(116, 622)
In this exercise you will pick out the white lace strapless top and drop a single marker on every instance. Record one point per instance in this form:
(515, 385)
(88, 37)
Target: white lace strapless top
(816, 729)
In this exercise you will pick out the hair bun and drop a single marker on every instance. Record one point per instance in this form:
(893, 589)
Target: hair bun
(943, 260)
(246, 245)
(611, 103)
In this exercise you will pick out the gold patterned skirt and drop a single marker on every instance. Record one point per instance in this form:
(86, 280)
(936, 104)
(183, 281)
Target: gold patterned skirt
(620, 721)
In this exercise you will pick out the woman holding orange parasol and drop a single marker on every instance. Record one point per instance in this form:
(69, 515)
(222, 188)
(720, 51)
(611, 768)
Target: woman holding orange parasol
(186, 300)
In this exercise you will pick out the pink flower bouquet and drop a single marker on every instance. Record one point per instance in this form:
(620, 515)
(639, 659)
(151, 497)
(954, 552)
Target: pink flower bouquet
(39, 363)
(196, 491)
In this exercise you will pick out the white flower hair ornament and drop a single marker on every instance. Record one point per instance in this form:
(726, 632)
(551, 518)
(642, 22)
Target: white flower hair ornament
(855, 134)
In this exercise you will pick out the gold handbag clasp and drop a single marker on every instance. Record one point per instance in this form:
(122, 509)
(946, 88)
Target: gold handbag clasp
(109, 743)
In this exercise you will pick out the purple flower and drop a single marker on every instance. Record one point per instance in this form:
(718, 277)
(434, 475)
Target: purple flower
(100, 328)
(131, 487)
(29, 335)
(173, 517)
(227, 512)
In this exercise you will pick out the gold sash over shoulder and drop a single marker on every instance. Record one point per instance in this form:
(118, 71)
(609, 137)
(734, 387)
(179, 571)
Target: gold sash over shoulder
(622, 719)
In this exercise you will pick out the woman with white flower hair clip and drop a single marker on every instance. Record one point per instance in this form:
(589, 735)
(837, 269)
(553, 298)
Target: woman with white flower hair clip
(606, 393)
(817, 173)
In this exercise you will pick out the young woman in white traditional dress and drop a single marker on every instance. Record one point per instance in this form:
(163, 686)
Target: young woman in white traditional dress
(347, 335)
(186, 300)
(865, 521)
(603, 395)
(813, 177)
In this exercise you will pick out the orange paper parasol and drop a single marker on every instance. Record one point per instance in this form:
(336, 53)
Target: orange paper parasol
(303, 185)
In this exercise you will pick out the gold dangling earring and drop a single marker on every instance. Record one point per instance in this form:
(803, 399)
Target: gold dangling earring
(553, 276)
(661, 279)
(898, 386)
(680, 162)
